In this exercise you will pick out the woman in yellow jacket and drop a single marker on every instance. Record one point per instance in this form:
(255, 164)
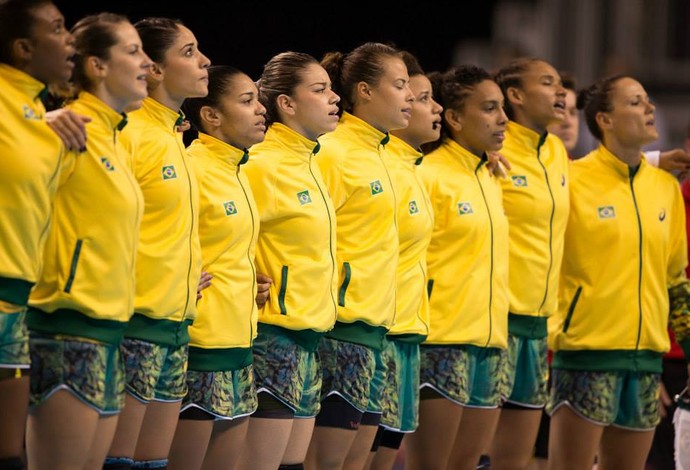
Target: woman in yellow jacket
(467, 264)
(169, 254)
(297, 250)
(220, 381)
(415, 222)
(623, 272)
(372, 82)
(84, 298)
(535, 198)
(30, 32)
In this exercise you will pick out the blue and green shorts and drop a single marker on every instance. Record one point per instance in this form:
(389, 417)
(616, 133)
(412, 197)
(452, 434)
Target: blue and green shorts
(348, 370)
(464, 374)
(155, 372)
(89, 369)
(223, 394)
(526, 372)
(287, 371)
(14, 337)
(400, 383)
(621, 398)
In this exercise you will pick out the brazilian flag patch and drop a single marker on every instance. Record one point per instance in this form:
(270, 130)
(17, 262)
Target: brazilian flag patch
(376, 187)
(230, 208)
(606, 212)
(169, 172)
(465, 208)
(519, 181)
(303, 197)
(414, 209)
(106, 163)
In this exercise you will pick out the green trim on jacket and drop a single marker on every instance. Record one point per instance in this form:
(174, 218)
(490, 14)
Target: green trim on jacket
(165, 332)
(527, 326)
(642, 360)
(70, 322)
(411, 338)
(220, 359)
(359, 333)
(15, 291)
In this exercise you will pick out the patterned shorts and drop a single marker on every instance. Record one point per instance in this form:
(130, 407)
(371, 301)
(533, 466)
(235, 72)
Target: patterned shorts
(289, 372)
(224, 394)
(526, 372)
(468, 375)
(154, 371)
(89, 369)
(624, 399)
(348, 370)
(14, 337)
(400, 403)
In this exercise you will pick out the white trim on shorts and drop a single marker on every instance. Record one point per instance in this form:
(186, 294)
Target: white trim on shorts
(100, 412)
(335, 392)
(524, 405)
(216, 416)
(595, 422)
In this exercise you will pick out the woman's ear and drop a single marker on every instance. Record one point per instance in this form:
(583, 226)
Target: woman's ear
(514, 95)
(22, 49)
(95, 67)
(285, 105)
(209, 115)
(453, 119)
(363, 90)
(603, 120)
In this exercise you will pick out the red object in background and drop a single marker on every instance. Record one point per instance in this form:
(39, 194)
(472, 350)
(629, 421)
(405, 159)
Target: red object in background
(676, 352)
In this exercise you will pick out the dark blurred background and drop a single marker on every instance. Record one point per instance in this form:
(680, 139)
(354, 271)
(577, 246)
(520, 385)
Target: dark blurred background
(648, 39)
(247, 33)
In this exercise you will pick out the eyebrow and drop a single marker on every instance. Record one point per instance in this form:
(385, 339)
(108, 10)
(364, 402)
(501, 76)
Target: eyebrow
(185, 46)
(56, 22)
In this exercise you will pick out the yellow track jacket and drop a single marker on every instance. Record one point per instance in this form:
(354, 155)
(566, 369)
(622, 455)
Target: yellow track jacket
(169, 256)
(415, 223)
(87, 285)
(222, 333)
(351, 161)
(28, 181)
(297, 238)
(468, 255)
(535, 198)
(625, 245)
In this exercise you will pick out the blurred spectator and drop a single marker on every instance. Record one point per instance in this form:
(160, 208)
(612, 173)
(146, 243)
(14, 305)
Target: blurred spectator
(674, 376)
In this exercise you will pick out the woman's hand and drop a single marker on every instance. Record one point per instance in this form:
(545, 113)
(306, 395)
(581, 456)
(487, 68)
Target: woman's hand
(204, 283)
(70, 127)
(263, 284)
